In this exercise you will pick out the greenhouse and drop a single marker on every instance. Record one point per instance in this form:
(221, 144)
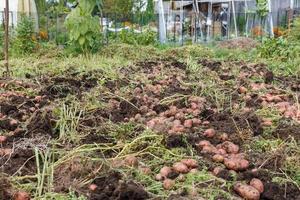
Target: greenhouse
(18, 8)
(203, 20)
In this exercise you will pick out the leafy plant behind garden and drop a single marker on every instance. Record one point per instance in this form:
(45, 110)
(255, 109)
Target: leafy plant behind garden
(82, 26)
(24, 41)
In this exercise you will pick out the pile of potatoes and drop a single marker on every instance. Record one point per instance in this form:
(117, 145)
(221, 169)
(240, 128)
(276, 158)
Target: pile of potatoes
(251, 191)
(176, 121)
(226, 152)
(179, 169)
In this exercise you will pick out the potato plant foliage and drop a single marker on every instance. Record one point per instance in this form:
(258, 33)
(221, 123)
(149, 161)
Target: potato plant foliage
(82, 25)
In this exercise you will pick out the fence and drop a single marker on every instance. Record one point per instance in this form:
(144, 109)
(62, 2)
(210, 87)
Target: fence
(179, 31)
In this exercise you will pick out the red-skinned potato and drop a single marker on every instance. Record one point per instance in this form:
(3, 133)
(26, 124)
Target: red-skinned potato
(93, 187)
(243, 90)
(168, 184)
(5, 152)
(3, 139)
(159, 177)
(246, 191)
(203, 143)
(179, 167)
(165, 171)
(209, 149)
(218, 158)
(257, 184)
(196, 121)
(223, 137)
(188, 123)
(222, 152)
(209, 133)
(131, 161)
(217, 170)
(236, 164)
(21, 195)
(190, 163)
(145, 170)
(229, 147)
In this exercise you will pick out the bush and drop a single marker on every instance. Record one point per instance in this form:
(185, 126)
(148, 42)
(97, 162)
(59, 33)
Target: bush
(82, 26)
(25, 41)
(145, 38)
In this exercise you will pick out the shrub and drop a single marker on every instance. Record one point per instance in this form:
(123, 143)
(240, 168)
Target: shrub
(147, 37)
(24, 41)
(82, 26)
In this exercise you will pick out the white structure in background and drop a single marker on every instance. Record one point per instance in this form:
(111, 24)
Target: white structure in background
(17, 8)
(203, 21)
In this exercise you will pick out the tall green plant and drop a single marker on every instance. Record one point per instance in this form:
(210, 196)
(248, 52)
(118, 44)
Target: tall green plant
(262, 8)
(25, 41)
(82, 26)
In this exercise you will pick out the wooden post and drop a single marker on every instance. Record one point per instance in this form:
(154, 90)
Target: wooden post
(6, 37)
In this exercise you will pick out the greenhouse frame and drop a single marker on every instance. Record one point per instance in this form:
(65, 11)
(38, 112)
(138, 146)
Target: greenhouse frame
(182, 21)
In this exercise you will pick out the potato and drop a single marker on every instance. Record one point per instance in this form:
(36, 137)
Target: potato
(168, 184)
(13, 122)
(246, 191)
(5, 152)
(223, 137)
(218, 158)
(159, 177)
(236, 164)
(93, 187)
(257, 184)
(145, 170)
(179, 167)
(165, 171)
(209, 149)
(209, 133)
(222, 152)
(21, 195)
(188, 123)
(178, 129)
(243, 90)
(203, 143)
(38, 98)
(196, 112)
(181, 178)
(217, 170)
(177, 122)
(190, 163)
(144, 109)
(205, 122)
(267, 123)
(243, 164)
(3, 139)
(172, 110)
(131, 161)
(194, 106)
(229, 147)
(151, 124)
(196, 122)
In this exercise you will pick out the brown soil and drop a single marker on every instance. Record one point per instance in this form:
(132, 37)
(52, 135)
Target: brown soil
(5, 189)
(287, 129)
(20, 162)
(237, 124)
(113, 187)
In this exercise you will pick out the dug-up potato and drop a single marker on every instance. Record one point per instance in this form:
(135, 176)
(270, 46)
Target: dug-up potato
(246, 191)
(179, 167)
(165, 171)
(257, 184)
(190, 163)
(236, 164)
